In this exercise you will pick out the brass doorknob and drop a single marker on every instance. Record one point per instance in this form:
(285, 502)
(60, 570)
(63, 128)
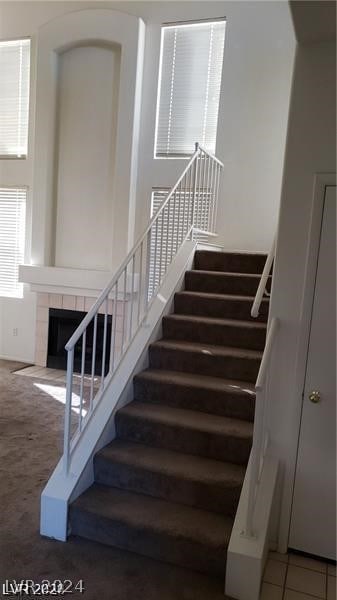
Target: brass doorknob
(314, 396)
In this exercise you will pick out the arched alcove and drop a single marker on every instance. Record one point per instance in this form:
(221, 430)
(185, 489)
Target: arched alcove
(85, 137)
(104, 47)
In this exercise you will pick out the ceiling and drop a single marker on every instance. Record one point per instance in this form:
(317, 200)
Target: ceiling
(314, 20)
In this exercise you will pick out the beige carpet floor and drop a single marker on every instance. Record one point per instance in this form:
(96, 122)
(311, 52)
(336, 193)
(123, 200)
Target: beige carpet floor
(31, 422)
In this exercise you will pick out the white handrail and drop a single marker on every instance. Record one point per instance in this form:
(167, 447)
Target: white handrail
(260, 434)
(263, 281)
(212, 156)
(190, 211)
(89, 316)
(267, 353)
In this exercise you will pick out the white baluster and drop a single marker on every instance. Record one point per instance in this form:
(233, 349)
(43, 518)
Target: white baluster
(195, 184)
(154, 266)
(113, 329)
(140, 283)
(105, 333)
(93, 364)
(124, 311)
(132, 294)
(161, 235)
(84, 338)
(67, 415)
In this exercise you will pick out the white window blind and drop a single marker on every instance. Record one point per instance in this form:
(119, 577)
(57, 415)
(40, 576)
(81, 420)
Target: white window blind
(12, 239)
(14, 97)
(189, 87)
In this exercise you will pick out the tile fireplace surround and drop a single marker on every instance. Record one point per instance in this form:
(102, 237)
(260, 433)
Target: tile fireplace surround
(46, 301)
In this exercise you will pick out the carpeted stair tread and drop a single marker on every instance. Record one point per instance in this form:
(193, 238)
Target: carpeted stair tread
(173, 476)
(207, 348)
(187, 419)
(231, 332)
(226, 397)
(222, 282)
(169, 462)
(206, 359)
(187, 431)
(220, 274)
(187, 536)
(145, 512)
(198, 381)
(248, 262)
(211, 296)
(214, 305)
(217, 321)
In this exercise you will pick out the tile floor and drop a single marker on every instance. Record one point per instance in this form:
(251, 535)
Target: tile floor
(43, 373)
(294, 577)
(55, 375)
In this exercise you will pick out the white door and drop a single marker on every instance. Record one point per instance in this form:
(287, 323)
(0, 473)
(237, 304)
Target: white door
(313, 522)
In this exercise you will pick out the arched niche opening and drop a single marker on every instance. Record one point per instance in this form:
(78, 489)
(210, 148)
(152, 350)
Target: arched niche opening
(85, 153)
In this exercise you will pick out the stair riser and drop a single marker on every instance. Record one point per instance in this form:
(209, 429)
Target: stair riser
(171, 549)
(210, 445)
(221, 499)
(236, 263)
(229, 367)
(218, 308)
(221, 284)
(238, 406)
(209, 333)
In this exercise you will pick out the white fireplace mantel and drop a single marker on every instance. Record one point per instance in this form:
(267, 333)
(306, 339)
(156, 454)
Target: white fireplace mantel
(59, 280)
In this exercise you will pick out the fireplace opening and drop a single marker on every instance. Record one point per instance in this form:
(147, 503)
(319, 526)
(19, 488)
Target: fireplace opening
(62, 324)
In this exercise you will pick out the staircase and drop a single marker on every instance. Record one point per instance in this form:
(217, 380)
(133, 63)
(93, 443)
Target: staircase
(169, 484)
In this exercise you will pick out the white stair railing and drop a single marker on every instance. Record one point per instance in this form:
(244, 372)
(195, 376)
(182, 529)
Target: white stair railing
(108, 329)
(261, 290)
(260, 432)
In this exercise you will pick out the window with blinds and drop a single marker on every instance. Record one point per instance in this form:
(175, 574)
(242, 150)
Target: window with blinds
(189, 87)
(14, 97)
(12, 239)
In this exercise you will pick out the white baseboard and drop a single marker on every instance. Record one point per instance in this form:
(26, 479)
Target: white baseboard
(16, 359)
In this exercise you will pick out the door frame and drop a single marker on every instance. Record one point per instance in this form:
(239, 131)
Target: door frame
(321, 181)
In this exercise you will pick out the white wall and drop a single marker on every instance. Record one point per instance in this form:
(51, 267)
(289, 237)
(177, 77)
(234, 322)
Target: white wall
(310, 149)
(88, 83)
(259, 55)
(17, 329)
(258, 61)
(259, 50)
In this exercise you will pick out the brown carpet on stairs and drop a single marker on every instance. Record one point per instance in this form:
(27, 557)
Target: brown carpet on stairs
(168, 486)
(31, 425)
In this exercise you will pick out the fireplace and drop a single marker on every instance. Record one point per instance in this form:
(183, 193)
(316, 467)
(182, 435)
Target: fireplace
(62, 324)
